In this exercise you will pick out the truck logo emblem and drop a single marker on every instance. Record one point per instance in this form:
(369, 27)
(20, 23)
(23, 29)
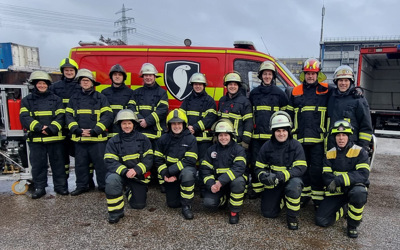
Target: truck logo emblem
(177, 75)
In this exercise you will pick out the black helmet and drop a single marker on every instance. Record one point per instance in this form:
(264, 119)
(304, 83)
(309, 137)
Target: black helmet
(117, 68)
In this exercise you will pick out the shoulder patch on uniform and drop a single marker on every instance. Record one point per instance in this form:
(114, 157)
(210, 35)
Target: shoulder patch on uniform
(331, 154)
(354, 151)
(298, 90)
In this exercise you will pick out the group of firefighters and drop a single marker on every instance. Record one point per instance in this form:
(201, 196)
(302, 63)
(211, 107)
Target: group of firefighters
(312, 144)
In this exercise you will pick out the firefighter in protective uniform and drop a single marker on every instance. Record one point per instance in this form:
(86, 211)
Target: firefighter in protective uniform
(346, 104)
(280, 165)
(88, 115)
(128, 158)
(200, 109)
(65, 88)
(118, 95)
(223, 170)
(237, 108)
(308, 108)
(345, 175)
(175, 156)
(266, 99)
(42, 114)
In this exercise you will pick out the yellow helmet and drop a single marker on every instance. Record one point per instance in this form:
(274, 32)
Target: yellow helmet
(343, 72)
(342, 126)
(126, 114)
(198, 78)
(148, 69)
(232, 77)
(280, 119)
(39, 76)
(68, 63)
(266, 65)
(177, 115)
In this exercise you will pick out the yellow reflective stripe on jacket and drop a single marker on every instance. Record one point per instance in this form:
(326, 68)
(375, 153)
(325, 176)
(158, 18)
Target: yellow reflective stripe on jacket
(247, 133)
(161, 168)
(204, 162)
(240, 158)
(362, 165)
(157, 119)
(132, 102)
(201, 125)
(60, 111)
(327, 170)
(193, 113)
(153, 136)
(230, 115)
(262, 136)
(191, 154)
(148, 152)
(120, 169)
(48, 139)
(299, 163)
(163, 102)
(142, 167)
(171, 159)
(72, 124)
(231, 175)
(261, 165)
(101, 125)
(111, 156)
(32, 125)
(100, 138)
(210, 177)
(278, 168)
(116, 107)
(70, 110)
(86, 111)
(65, 100)
(145, 107)
(222, 170)
(364, 136)
(23, 109)
(158, 153)
(131, 157)
(43, 113)
(58, 125)
(265, 108)
(105, 109)
(248, 116)
(179, 165)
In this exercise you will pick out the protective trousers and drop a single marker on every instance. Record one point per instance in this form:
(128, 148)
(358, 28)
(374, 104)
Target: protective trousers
(312, 179)
(136, 193)
(39, 155)
(333, 206)
(234, 190)
(86, 153)
(255, 147)
(274, 199)
(69, 151)
(181, 191)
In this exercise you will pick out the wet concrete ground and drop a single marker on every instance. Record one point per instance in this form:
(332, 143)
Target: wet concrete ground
(66, 222)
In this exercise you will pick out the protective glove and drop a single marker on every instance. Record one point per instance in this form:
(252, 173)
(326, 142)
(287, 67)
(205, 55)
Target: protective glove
(244, 145)
(48, 131)
(357, 92)
(280, 176)
(332, 187)
(93, 133)
(263, 178)
(79, 132)
(272, 180)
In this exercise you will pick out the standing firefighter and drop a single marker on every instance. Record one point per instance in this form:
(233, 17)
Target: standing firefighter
(175, 156)
(118, 95)
(308, 106)
(280, 165)
(65, 88)
(128, 158)
(237, 108)
(346, 104)
(222, 171)
(200, 109)
(345, 174)
(42, 114)
(88, 115)
(150, 103)
(265, 99)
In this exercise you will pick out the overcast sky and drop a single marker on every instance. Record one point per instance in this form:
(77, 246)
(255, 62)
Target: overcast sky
(285, 28)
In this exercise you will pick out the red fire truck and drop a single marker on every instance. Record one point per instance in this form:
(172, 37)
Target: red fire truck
(176, 64)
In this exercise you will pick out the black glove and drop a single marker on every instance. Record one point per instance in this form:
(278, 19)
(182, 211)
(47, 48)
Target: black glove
(93, 133)
(78, 132)
(48, 131)
(357, 92)
(280, 176)
(332, 187)
(272, 180)
(263, 178)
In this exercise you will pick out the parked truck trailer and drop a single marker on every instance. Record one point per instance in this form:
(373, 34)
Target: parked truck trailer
(379, 76)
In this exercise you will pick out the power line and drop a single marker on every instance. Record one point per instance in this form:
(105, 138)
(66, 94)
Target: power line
(12, 16)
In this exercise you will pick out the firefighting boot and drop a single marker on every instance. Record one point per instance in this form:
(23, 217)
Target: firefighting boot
(114, 217)
(292, 223)
(352, 231)
(39, 192)
(187, 212)
(233, 218)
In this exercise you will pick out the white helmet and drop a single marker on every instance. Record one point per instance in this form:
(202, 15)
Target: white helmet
(280, 119)
(148, 69)
(343, 72)
(198, 78)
